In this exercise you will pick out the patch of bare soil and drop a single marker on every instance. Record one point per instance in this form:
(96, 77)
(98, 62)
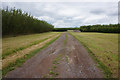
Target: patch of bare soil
(59, 60)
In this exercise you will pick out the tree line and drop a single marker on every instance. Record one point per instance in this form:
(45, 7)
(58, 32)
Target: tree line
(111, 28)
(15, 21)
(64, 29)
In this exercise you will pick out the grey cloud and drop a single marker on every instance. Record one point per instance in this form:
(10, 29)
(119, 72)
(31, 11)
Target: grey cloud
(114, 14)
(97, 11)
(70, 14)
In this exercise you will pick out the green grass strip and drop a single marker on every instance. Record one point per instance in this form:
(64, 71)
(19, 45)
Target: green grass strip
(4, 55)
(20, 61)
(106, 70)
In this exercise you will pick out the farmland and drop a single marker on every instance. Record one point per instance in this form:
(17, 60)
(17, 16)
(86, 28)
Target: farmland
(33, 48)
(13, 44)
(65, 55)
(18, 47)
(104, 47)
(61, 52)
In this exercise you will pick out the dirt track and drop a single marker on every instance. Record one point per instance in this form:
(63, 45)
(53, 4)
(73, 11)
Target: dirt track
(65, 58)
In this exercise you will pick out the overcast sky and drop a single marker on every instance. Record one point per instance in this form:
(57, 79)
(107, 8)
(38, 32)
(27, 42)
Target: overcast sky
(70, 14)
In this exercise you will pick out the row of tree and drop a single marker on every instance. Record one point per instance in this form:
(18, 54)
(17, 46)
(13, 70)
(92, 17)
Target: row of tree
(15, 21)
(64, 29)
(111, 28)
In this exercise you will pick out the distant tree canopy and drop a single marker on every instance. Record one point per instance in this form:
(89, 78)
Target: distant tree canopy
(64, 29)
(15, 21)
(112, 28)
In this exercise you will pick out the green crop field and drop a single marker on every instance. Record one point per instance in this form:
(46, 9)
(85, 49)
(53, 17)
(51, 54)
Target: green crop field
(104, 49)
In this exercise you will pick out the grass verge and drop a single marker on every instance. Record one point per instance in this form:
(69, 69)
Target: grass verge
(20, 61)
(21, 48)
(107, 72)
(66, 58)
(52, 72)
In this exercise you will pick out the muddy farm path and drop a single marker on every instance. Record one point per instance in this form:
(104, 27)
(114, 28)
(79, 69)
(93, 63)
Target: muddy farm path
(64, 58)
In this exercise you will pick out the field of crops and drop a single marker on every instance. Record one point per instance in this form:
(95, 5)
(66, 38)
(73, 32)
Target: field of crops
(20, 46)
(103, 47)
